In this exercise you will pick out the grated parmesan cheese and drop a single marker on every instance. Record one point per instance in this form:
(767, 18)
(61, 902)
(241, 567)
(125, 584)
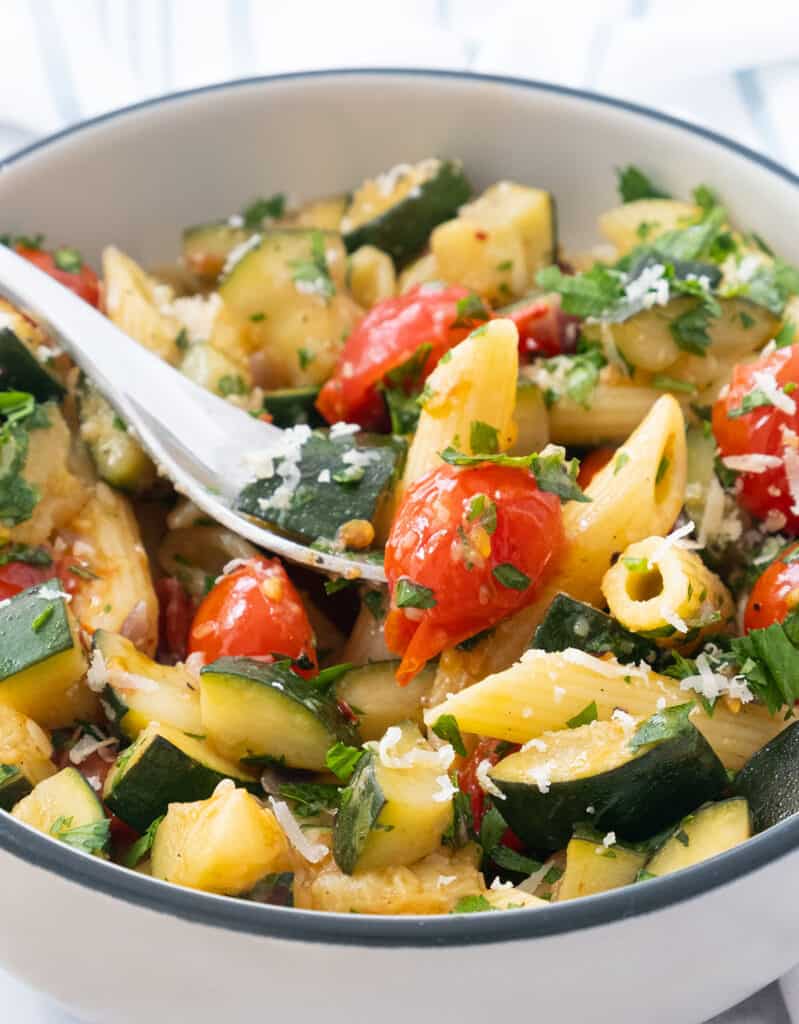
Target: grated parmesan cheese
(712, 684)
(765, 381)
(441, 758)
(677, 539)
(670, 615)
(312, 852)
(88, 745)
(753, 462)
(445, 792)
(790, 458)
(97, 676)
(485, 782)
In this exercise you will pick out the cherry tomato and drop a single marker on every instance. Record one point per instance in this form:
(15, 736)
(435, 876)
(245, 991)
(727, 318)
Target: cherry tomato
(18, 576)
(175, 612)
(776, 592)
(82, 280)
(389, 334)
(592, 463)
(765, 430)
(544, 329)
(254, 611)
(467, 548)
(492, 751)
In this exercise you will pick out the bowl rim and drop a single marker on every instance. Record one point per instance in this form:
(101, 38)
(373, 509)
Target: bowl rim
(290, 924)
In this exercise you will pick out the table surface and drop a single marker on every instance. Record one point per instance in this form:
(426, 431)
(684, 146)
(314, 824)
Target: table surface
(737, 70)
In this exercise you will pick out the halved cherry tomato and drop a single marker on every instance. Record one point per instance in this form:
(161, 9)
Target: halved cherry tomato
(256, 612)
(389, 334)
(467, 548)
(491, 751)
(592, 463)
(765, 430)
(82, 280)
(776, 592)
(544, 329)
(18, 576)
(175, 613)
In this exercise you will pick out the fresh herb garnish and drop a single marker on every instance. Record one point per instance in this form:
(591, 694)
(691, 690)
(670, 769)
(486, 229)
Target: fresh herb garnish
(633, 184)
(375, 602)
(342, 760)
(69, 260)
(143, 844)
(588, 294)
(511, 577)
(446, 728)
(483, 438)
(661, 726)
(552, 470)
(483, 512)
(12, 552)
(408, 594)
(690, 330)
(469, 311)
(42, 618)
(663, 468)
(471, 905)
(92, 838)
(665, 383)
(182, 339)
(585, 717)
(259, 210)
(231, 384)
(305, 358)
(313, 274)
(310, 798)
(510, 860)
(786, 335)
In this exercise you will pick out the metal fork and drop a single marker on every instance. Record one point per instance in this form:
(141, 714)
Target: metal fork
(195, 438)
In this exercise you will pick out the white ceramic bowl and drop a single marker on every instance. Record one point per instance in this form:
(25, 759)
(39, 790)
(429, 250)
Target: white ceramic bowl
(115, 946)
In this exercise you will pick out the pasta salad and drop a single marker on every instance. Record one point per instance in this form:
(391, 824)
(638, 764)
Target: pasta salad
(580, 471)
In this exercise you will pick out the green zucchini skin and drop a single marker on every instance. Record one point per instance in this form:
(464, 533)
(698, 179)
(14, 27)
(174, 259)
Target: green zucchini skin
(23, 647)
(118, 457)
(206, 247)
(318, 508)
(290, 406)
(571, 623)
(770, 780)
(635, 800)
(404, 228)
(360, 807)
(21, 371)
(14, 785)
(163, 775)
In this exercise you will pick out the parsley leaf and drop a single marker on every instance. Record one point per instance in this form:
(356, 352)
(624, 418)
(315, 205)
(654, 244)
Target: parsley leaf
(510, 860)
(553, 472)
(471, 905)
(771, 285)
(91, 838)
(342, 760)
(231, 384)
(469, 311)
(690, 330)
(660, 726)
(446, 728)
(511, 577)
(483, 512)
(786, 335)
(633, 184)
(11, 552)
(310, 799)
(692, 242)
(408, 594)
(69, 260)
(589, 294)
(483, 438)
(705, 197)
(769, 661)
(585, 717)
(143, 844)
(259, 210)
(313, 274)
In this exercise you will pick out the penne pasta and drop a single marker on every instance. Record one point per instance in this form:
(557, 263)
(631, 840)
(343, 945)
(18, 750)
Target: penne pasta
(615, 411)
(543, 691)
(132, 300)
(371, 276)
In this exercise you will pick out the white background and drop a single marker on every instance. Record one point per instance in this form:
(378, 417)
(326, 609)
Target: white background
(730, 64)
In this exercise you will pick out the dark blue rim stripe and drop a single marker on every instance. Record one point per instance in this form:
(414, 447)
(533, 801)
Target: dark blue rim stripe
(354, 930)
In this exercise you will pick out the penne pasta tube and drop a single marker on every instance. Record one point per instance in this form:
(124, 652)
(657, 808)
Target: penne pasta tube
(543, 691)
(614, 413)
(131, 301)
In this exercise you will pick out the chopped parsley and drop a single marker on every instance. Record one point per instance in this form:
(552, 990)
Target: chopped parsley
(42, 618)
(771, 285)
(511, 577)
(690, 330)
(471, 905)
(305, 358)
(483, 512)
(665, 383)
(663, 468)
(231, 384)
(182, 339)
(143, 844)
(313, 274)
(510, 860)
(408, 594)
(585, 717)
(69, 260)
(469, 311)
(552, 470)
(260, 210)
(375, 602)
(661, 726)
(620, 462)
(310, 799)
(636, 564)
(342, 760)
(11, 552)
(592, 293)
(92, 838)
(446, 728)
(483, 438)
(786, 335)
(633, 184)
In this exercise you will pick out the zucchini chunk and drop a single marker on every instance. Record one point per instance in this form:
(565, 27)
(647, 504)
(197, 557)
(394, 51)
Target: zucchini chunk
(118, 457)
(593, 867)
(214, 370)
(325, 214)
(643, 220)
(375, 696)
(162, 767)
(225, 844)
(770, 780)
(397, 805)
(25, 756)
(710, 831)
(570, 623)
(497, 243)
(338, 479)
(20, 370)
(140, 691)
(41, 657)
(206, 247)
(286, 299)
(397, 210)
(290, 406)
(66, 807)
(638, 776)
(253, 711)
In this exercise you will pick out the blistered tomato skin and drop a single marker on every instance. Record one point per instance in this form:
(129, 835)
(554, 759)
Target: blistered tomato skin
(772, 494)
(388, 336)
(254, 611)
(467, 548)
(776, 593)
